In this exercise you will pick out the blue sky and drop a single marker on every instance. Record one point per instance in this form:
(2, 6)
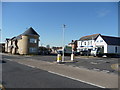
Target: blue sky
(81, 18)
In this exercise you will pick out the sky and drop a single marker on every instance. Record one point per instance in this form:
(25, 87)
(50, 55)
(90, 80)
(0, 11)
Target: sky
(47, 18)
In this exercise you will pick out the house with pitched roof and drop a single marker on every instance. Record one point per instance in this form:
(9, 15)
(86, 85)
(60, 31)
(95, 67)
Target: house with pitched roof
(106, 44)
(86, 42)
(2, 47)
(25, 43)
(73, 44)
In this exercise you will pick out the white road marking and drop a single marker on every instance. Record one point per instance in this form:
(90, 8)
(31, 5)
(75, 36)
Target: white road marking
(93, 62)
(105, 71)
(76, 79)
(27, 65)
(8, 59)
(96, 69)
(21, 63)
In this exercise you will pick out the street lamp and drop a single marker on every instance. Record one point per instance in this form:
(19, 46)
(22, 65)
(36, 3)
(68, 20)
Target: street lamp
(63, 42)
(0, 35)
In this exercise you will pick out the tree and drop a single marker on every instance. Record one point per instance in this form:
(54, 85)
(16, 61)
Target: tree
(48, 46)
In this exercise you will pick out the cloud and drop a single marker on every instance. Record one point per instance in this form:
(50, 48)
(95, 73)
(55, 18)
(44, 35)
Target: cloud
(103, 13)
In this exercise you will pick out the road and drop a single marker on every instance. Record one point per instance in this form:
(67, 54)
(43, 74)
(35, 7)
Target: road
(26, 71)
(98, 64)
(20, 76)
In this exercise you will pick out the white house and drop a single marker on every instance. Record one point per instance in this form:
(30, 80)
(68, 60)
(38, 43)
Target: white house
(86, 42)
(107, 44)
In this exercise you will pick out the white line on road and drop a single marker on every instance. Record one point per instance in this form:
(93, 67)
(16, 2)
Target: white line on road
(21, 63)
(105, 71)
(27, 65)
(76, 79)
(8, 59)
(96, 69)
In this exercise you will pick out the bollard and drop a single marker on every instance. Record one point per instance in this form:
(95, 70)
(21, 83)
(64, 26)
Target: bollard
(59, 58)
(2, 87)
(72, 57)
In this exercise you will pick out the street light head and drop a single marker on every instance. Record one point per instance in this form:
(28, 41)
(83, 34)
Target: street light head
(64, 25)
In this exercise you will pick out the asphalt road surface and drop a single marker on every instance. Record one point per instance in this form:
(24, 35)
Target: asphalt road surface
(99, 64)
(17, 75)
(20, 76)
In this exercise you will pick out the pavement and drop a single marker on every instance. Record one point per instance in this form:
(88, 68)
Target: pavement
(92, 77)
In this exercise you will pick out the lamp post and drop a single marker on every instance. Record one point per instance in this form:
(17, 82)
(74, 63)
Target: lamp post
(0, 36)
(64, 26)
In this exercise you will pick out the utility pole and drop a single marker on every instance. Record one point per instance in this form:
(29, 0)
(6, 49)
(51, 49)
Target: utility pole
(64, 26)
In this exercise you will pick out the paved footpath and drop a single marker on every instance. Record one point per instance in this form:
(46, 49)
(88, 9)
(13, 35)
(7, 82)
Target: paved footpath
(100, 79)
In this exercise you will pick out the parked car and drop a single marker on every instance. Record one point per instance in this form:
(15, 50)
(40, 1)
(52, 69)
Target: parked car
(2, 61)
(85, 53)
(44, 51)
(76, 53)
(59, 52)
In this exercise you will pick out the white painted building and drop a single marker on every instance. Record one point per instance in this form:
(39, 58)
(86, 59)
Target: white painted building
(107, 44)
(86, 42)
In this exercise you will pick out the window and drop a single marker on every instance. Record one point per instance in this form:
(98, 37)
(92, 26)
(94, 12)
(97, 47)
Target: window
(79, 43)
(32, 40)
(91, 42)
(88, 43)
(115, 49)
(101, 40)
(32, 50)
(85, 43)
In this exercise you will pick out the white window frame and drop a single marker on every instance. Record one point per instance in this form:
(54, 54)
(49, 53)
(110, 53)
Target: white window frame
(33, 40)
(101, 40)
(32, 49)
